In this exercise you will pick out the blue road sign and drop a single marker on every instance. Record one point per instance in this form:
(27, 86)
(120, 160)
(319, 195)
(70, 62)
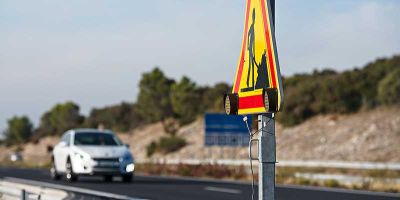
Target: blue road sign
(226, 130)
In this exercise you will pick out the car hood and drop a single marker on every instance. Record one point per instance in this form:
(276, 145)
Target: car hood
(103, 151)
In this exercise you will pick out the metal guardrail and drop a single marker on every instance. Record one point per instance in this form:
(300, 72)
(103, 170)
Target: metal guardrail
(342, 164)
(287, 163)
(18, 193)
(347, 179)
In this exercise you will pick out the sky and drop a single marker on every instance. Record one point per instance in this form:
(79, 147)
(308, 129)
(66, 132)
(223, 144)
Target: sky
(93, 52)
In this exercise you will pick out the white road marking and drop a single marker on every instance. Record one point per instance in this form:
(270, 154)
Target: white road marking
(219, 189)
(71, 189)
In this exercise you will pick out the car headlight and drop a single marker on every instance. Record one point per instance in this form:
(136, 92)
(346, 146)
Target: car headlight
(130, 167)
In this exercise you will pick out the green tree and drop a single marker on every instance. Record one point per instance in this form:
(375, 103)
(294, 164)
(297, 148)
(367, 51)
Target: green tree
(389, 89)
(185, 100)
(120, 117)
(19, 130)
(327, 91)
(59, 119)
(153, 100)
(367, 78)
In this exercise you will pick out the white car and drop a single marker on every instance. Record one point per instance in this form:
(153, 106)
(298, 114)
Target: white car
(91, 152)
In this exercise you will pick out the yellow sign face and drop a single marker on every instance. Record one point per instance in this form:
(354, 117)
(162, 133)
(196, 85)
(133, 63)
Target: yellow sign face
(258, 67)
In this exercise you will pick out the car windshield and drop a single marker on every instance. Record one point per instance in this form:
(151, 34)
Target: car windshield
(97, 139)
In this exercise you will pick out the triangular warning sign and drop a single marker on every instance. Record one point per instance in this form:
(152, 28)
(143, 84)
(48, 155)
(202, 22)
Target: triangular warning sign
(257, 87)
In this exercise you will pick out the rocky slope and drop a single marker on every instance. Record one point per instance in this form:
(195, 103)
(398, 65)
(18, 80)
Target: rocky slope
(364, 136)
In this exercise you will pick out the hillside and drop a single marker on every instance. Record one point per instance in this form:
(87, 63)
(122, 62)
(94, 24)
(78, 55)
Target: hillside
(364, 136)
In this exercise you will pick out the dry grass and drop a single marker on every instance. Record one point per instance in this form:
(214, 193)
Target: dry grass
(286, 175)
(208, 170)
(24, 164)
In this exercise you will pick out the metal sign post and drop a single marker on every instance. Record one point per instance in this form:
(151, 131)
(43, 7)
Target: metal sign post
(266, 157)
(267, 147)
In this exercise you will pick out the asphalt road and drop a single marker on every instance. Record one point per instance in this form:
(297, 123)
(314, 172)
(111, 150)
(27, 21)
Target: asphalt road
(167, 188)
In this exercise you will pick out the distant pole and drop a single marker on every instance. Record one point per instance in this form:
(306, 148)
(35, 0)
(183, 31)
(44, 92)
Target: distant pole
(23, 195)
(267, 147)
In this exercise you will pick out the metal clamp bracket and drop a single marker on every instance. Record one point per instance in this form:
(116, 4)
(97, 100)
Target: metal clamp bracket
(251, 144)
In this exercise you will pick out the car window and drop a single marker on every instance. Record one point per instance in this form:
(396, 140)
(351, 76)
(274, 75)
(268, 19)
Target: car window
(96, 139)
(66, 138)
(63, 138)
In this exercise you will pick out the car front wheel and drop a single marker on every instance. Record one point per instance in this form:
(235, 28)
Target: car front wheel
(53, 172)
(70, 176)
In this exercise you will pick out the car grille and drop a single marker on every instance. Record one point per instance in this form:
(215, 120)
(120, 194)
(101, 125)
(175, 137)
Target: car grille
(105, 163)
(106, 159)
